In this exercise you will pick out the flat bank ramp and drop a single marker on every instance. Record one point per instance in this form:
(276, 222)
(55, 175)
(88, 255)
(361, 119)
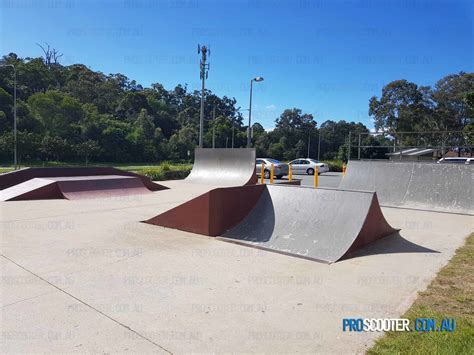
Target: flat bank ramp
(427, 186)
(16, 177)
(75, 187)
(223, 167)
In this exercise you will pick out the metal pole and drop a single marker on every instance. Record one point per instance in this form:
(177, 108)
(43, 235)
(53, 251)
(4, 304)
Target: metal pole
(349, 148)
(14, 120)
(319, 142)
(309, 142)
(249, 139)
(201, 117)
(358, 149)
(214, 127)
(232, 134)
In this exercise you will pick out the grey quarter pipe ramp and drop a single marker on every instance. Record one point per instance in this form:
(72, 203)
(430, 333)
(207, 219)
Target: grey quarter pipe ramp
(223, 167)
(317, 224)
(417, 185)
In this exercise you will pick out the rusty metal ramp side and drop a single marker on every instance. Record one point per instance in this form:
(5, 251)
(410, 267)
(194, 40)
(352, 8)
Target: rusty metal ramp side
(418, 185)
(19, 176)
(95, 187)
(213, 212)
(223, 167)
(316, 224)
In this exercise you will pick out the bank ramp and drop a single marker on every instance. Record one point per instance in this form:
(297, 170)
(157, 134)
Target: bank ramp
(417, 185)
(223, 167)
(75, 188)
(318, 224)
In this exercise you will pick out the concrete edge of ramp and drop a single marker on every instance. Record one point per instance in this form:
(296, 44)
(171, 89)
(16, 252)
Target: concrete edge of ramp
(13, 178)
(427, 186)
(74, 188)
(211, 213)
(317, 224)
(223, 167)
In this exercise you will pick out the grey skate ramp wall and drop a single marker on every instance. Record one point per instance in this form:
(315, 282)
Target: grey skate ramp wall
(317, 224)
(427, 186)
(223, 167)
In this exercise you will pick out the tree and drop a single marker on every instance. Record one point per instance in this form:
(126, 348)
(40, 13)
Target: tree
(87, 149)
(403, 106)
(452, 111)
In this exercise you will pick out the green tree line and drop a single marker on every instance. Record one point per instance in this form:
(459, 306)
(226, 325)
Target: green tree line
(72, 113)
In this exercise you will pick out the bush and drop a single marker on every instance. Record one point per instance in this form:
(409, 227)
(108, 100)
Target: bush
(334, 165)
(166, 171)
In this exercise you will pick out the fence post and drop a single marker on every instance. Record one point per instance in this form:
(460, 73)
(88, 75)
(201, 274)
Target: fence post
(358, 149)
(349, 147)
(400, 145)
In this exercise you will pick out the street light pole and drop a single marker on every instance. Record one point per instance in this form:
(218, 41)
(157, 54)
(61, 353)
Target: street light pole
(249, 133)
(15, 153)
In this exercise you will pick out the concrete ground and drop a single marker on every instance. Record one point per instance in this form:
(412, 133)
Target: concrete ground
(87, 276)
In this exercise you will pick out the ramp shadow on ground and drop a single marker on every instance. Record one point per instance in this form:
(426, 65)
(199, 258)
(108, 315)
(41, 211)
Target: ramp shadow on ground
(392, 244)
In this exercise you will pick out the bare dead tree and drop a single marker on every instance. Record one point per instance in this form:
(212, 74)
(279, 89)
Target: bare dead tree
(51, 55)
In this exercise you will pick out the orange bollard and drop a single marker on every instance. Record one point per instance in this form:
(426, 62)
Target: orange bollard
(316, 176)
(262, 174)
(344, 169)
(272, 171)
(290, 173)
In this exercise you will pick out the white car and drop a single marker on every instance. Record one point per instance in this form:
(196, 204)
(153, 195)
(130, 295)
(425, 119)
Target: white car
(308, 166)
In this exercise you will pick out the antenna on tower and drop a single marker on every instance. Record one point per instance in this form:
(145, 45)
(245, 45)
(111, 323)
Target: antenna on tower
(205, 51)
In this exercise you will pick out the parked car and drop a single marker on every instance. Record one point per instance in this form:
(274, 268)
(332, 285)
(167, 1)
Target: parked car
(456, 160)
(279, 167)
(308, 166)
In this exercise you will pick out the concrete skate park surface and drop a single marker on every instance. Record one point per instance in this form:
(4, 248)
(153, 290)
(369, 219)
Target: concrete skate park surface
(87, 276)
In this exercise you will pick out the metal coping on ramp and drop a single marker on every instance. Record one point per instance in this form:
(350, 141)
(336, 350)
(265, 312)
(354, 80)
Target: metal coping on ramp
(317, 224)
(223, 167)
(75, 187)
(16, 177)
(415, 185)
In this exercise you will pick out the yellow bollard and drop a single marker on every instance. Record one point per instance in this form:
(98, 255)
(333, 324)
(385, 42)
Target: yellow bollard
(262, 174)
(290, 173)
(344, 169)
(316, 176)
(272, 171)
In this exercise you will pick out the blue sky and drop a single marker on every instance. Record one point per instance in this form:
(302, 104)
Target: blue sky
(327, 57)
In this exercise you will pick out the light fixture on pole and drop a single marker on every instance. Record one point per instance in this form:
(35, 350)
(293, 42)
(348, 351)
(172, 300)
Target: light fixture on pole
(15, 155)
(249, 138)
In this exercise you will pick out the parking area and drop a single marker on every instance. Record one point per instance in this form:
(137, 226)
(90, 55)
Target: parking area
(330, 179)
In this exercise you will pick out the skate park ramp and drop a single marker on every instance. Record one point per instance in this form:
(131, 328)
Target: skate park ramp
(75, 187)
(317, 224)
(19, 176)
(417, 185)
(223, 167)
(213, 212)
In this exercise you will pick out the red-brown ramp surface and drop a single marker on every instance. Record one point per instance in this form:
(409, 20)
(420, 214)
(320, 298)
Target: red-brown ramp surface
(18, 176)
(75, 187)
